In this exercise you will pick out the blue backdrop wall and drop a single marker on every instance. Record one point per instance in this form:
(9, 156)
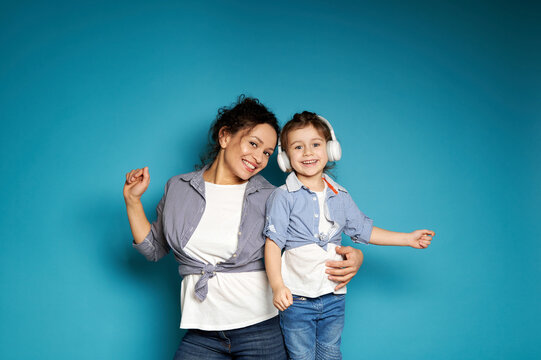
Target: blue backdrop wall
(437, 106)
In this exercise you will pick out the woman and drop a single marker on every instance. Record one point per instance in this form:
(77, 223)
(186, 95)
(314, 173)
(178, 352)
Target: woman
(212, 220)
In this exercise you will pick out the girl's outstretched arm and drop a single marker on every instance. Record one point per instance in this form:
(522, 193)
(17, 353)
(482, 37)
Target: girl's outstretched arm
(419, 239)
(282, 297)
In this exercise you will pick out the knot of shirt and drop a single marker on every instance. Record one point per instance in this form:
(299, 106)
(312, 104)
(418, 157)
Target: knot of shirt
(323, 240)
(201, 286)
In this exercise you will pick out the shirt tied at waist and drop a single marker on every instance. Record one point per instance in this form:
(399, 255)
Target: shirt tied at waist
(207, 271)
(323, 240)
(201, 286)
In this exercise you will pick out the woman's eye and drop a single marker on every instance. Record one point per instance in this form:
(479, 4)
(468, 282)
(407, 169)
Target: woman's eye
(268, 154)
(253, 144)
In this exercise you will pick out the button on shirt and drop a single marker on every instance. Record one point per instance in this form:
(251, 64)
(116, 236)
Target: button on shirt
(293, 221)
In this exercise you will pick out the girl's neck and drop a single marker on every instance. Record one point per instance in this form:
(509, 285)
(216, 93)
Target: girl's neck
(314, 182)
(220, 174)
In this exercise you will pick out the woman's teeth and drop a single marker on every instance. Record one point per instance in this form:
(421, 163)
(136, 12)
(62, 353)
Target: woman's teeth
(248, 164)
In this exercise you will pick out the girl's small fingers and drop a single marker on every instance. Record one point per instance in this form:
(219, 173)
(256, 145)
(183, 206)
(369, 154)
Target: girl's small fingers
(289, 299)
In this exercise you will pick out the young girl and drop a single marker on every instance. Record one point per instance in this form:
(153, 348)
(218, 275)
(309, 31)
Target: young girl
(306, 217)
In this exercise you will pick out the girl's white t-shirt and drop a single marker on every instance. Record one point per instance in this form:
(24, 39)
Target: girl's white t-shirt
(234, 300)
(303, 267)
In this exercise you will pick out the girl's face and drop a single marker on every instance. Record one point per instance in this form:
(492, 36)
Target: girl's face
(247, 152)
(307, 152)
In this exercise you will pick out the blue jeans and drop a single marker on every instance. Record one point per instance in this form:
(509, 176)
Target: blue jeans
(260, 341)
(312, 327)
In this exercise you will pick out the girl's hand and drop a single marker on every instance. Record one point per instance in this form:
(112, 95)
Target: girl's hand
(343, 271)
(420, 239)
(282, 298)
(136, 184)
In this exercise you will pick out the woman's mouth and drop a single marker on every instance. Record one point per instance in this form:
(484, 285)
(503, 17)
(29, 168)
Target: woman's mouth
(249, 166)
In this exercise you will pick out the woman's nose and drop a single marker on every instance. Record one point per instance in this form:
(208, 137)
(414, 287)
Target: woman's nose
(258, 157)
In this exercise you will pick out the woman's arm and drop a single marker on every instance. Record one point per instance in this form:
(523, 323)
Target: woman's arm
(282, 297)
(136, 184)
(419, 239)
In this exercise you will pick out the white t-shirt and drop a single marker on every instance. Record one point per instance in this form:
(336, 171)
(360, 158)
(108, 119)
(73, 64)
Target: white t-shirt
(303, 267)
(234, 300)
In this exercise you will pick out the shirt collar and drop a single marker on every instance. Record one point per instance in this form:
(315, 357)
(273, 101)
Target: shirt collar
(294, 184)
(255, 183)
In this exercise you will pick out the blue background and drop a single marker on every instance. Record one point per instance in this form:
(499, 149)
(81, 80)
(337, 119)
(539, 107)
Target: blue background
(437, 107)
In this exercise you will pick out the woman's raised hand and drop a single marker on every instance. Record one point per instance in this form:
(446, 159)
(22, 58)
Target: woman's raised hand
(136, 183)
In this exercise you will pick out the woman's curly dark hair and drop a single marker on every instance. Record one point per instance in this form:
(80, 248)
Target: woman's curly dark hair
(246, 113)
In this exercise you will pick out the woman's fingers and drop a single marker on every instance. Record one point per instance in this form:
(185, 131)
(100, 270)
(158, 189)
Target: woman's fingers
(337, 272)
(341, 278)
(146, 175)
(339, 263)
(137, 173)
(343, 282)
(129, 176)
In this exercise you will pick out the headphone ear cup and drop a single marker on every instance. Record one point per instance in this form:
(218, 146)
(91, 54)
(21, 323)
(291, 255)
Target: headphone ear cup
(334, 150)
(283, 162)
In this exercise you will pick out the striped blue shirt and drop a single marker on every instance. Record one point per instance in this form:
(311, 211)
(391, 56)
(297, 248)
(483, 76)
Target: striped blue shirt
(292, 216)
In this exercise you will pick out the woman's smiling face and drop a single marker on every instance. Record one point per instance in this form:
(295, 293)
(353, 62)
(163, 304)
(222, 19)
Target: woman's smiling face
(247, 152)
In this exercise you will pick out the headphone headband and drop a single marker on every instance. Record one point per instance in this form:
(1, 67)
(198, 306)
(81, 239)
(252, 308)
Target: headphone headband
(333, 137)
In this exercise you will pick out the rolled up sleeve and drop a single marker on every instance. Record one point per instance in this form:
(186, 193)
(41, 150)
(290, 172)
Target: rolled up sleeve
(154, 246)
(358, 225)
(277, 217)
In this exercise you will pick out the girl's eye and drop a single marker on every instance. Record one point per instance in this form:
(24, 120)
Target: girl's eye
(317, 144)
(298, 147)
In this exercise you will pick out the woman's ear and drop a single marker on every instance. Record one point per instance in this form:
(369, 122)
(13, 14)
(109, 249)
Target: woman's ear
(224, 135)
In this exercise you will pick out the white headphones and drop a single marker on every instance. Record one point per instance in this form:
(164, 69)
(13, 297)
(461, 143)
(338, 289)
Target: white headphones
(334, 151)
